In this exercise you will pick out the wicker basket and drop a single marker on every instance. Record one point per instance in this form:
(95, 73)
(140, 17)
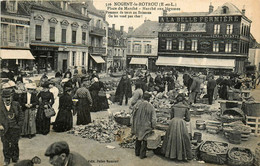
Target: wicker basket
(217, 158)
(200, 125)
(235, 162)
(257, 155)
(123, 120)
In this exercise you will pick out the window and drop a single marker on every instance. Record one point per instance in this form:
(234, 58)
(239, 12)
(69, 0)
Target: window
(4, 32)
(129, 47)
(52, 34)
(148, 48)
(74, 37)
(19, 33)
(83, 58)
(64, 5)
(216, 28)
(123, 53)
(12, 6)
(229, 28)
(194, 45)
(92, 42)
(168, 44)
(73, 58)
(12, 33)
(228, 47)
(181, 44)
(84, 11)
(182, 27)
(137, 48)
(118, 52)
(63, 35)
(83, 37)
(38, 32)
(215, 46)
(225, 10)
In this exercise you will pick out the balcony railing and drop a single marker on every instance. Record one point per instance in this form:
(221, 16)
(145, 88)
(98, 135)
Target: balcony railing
(97, 31)
(97, 50)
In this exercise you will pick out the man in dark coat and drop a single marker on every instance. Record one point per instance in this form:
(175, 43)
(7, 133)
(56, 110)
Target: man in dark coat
(210, 88)
(60, 155)
(124, 89)
(11, 122)
(159, 83)
(194, 89)
(143, 122)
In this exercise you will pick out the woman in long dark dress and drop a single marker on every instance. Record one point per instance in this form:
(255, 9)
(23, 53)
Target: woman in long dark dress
(176, 144)
(103, 99)
(64, 120)
(29, 101)
(94, 89)
(46, 100)
(83, 106)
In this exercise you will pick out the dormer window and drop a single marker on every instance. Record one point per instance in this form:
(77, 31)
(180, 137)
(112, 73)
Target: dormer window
(11, 6)
(224, 9)
(84, 11)
(64, 5)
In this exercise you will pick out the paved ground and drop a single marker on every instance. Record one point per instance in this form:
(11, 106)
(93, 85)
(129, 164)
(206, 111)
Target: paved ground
(98, 154)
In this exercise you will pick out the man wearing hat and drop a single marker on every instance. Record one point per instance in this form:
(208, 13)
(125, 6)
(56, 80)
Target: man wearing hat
(60, 155)
(11, 121)
(143, 122)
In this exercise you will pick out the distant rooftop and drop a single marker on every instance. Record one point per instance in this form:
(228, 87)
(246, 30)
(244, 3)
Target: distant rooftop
(147, 29)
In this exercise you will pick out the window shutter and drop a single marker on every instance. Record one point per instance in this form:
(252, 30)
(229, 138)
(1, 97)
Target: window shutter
(179, 27)
(27, 35)
(12, 33)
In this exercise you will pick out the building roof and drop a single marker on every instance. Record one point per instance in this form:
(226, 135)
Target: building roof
(116, 34)
(21, 11)
(92, 9)
(189, 14)
(232, 10)
(147, 29)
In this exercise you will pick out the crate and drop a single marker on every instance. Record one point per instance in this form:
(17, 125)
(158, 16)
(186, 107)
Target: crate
(254, 123)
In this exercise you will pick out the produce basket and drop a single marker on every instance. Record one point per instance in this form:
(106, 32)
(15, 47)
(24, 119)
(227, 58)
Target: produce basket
(238, 156)
(214, 152)
(232, 115)
(123, 120)
(257, 155)
(200, 125)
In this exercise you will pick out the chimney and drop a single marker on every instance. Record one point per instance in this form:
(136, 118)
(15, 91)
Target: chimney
(244, 10)
(121, 28)
(164, 12)
(130, 29)
(211, 8)
(113, 27)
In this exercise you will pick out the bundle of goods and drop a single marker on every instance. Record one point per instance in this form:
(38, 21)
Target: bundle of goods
(122, 117)
(239, 126)
(213, 127)
(238, 156)
(102, 131)
(111, 85)
(154, 139)
(232, 114)
(214, 152)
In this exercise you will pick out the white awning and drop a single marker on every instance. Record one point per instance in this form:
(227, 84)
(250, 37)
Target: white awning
(15, 54)
(98, 59)
(139, 61)
(196, 62)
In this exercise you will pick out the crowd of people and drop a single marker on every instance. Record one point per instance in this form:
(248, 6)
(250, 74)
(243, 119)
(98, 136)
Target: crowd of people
(25, 107)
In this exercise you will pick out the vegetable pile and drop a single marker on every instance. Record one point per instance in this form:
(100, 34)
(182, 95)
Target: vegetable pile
(214, 147)
(102, 131)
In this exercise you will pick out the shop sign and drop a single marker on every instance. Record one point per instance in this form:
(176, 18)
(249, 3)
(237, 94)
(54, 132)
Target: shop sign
(44, 48)
(170, 34)
(9, 20)
(172, 19)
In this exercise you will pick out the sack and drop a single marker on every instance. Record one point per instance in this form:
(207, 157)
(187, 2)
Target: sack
(49, 112)
(102, 93)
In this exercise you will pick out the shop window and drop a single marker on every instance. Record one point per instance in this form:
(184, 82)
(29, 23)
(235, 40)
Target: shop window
(194, 45)
(74, 37)
(83, 58)
(181, 44)
(83, 37)
(52, 34)
(38, 32)
(228, 47)
(229, 28)
(63, 35)
(215, 47)
(168, 44)
(216, 28)
(148, 48)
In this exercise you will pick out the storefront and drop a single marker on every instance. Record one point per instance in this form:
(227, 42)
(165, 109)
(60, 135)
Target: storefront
(96, 62)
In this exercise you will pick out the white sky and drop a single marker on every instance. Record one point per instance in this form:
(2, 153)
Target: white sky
(252, 11)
